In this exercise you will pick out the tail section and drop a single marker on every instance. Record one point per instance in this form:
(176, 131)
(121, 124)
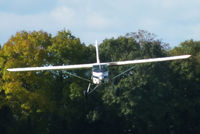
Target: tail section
(97, 52)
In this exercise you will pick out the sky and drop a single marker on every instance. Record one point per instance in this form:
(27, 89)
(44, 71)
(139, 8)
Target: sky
(173, 21)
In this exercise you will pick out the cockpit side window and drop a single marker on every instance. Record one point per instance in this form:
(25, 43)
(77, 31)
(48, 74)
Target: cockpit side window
(96, 68)
(104, 68)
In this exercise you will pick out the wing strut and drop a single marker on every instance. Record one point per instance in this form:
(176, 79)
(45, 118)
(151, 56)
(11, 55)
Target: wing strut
(82, 78)
(123, 72)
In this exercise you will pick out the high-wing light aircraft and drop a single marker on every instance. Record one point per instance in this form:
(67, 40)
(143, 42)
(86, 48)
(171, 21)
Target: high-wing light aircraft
(100, 73)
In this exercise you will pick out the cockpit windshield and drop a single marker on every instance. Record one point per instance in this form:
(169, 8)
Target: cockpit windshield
(100, 68)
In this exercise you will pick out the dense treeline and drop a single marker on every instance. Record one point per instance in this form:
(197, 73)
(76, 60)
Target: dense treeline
(153, 98)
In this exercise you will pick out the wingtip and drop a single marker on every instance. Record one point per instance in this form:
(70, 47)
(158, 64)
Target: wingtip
(10, 70)
(185, 56)
(188, 56)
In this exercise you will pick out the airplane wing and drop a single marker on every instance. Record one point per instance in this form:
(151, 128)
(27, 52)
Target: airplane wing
(85, 66)
(66, 67)
(147, 60)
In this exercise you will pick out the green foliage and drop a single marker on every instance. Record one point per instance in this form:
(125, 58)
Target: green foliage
(140, 94)
(186, 82)
(151, 98)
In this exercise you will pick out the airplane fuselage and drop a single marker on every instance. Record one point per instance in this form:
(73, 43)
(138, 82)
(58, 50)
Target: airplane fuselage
(100, 74)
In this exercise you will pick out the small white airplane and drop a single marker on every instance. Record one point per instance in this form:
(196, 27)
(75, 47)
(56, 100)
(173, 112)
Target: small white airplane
(100, 73)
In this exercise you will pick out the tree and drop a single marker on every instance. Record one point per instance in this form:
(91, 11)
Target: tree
(185, 81)
(141, 95)
(25, 93)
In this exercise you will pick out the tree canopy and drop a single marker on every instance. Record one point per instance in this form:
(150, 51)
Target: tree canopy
(151, 98)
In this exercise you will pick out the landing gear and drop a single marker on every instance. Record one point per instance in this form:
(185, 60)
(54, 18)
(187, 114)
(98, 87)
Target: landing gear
(89, 90)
